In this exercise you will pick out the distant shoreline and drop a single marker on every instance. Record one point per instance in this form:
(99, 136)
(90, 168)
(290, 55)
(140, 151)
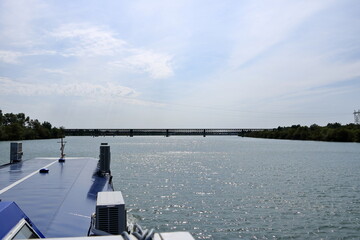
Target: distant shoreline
(332, 132)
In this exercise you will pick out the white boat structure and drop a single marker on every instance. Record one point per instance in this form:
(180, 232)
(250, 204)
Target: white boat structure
(66, 198)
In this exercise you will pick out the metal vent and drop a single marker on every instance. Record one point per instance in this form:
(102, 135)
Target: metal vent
(15, 152)
(105, 157)
(108, 219)
(110, 213)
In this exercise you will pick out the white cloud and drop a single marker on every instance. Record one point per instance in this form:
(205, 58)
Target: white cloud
(14, 57)
(87, 41)
(10, 56)
(266, 23)
(17, 21)
(231, 57)
(156, 65)
(82, 89)
(269, 63)
(91, 41)
(282, 74)
(56, 71)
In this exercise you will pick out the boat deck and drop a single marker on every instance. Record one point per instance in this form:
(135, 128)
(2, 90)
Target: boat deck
(59, 203)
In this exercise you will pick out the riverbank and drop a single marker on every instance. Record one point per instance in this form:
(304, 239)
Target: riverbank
(333, 132)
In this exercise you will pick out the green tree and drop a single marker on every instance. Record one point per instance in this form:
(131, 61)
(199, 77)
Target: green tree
(19, 126)
(334, 125)
(14, 131)
(330, 132)
(47, 125)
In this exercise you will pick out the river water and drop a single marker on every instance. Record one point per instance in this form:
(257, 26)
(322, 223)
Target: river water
(229, 187)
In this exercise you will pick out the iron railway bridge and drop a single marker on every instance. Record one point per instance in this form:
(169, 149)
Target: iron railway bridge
(163, 132)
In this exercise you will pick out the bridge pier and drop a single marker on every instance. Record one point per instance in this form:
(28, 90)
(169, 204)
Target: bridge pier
(131, 132)
(167, 133)
(242, 133)
(204, 135)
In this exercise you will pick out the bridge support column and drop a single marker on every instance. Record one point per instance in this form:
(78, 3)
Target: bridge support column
(131, 133)
(242, 133)
(204, 134)
(167, 133)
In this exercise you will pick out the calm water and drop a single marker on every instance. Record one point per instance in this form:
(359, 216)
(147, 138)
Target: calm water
(229, 187)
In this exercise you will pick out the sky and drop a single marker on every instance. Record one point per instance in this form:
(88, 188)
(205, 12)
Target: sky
(181, 63)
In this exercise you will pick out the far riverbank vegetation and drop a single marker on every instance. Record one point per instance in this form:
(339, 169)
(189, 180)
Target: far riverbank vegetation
(21, 127)
(333, 132)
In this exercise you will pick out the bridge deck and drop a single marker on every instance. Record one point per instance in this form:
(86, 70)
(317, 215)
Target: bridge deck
(161, 132)
(59, 203)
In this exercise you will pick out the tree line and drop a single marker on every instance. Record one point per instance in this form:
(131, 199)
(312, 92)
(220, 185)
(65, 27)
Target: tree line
(21, 127)
(333, 132)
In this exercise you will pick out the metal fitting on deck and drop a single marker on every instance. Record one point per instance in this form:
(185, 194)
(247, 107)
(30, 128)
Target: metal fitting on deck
(105, 157)
(16, 152)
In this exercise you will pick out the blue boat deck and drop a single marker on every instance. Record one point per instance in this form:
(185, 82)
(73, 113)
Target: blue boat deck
(59, 203)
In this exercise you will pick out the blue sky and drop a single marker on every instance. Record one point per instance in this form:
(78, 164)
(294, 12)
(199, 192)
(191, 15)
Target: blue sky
(180, 64)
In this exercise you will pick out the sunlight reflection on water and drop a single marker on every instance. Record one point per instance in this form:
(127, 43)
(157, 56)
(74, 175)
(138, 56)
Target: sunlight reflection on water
(230, 187)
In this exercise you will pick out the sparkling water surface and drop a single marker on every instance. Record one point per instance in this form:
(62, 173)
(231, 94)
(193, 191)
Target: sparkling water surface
(229, 187)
